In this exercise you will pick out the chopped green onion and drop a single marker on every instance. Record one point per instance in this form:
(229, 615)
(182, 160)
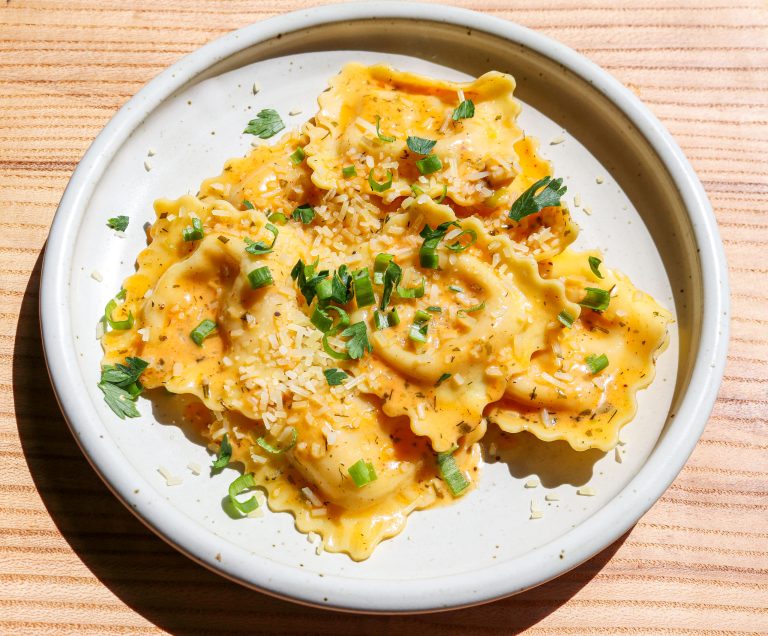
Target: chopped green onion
(383, 320)
(411, 292)
(297, 156)
(566, 318)
(435, 309)
(322, 320)
(266, 125)
(392, 277)
(594, 265)
(530, 203)
(416, 189)
(595, 364)
(380, 265)
(260, 277)
(472, 309)
(458, 246)
(422, 316)
(596, 299)
(362, 473)
(418, 330)
(349, 171)
(429, 164)
(304, 213)
(248, 205)
(334, 376)
(119, 223)
(363, 288)
(442, 196)
(380, 187)
(336, 355)
(259, 247)
(241, 485)
(428, 257)
(273, 449)
(420, 146)
(443, 378)
(118, 325)
(224, 454)
(449, 471)
(193, 232)
(202, 331)
(278, 217)
(455, 289)
(465, 110)
(378, 132)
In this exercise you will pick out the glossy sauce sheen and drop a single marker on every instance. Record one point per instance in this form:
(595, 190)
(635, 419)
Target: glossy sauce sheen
(495, 353)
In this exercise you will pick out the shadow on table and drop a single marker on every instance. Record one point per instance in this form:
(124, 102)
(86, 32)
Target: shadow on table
(166, 587)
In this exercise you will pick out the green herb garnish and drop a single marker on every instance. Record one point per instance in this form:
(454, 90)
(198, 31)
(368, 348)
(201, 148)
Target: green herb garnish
(334, 377)
(429, 164)
(549, 194)
(380, 187)
(202, 331)
(193, 232)
(266, 125)
(450, 473)
(259, 247)
(595, 364)
(362, 473)
(241, 485)
(260, 277)
(297, 156)
(118, 223)
(120, 385)
(304, 213)
(465, 110)
(594, 265)
(566, 318)
(596, 299)
(419, 145)
(378, 132)
(224, 454)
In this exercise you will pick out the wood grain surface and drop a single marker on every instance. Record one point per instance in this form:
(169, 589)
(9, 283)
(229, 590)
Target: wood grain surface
(73, 560)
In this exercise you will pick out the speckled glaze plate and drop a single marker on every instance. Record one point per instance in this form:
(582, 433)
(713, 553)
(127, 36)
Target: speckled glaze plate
(639, 201)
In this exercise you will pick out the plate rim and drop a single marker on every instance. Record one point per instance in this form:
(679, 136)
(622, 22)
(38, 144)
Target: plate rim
(379, 595)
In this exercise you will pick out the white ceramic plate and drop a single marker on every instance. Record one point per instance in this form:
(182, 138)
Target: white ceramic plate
(649, 214)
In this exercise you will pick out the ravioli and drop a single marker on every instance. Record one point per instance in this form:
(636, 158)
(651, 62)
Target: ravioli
(558, 397)
(349, 322)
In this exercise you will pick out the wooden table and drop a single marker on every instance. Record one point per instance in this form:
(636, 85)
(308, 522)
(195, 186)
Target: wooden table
(73, 560)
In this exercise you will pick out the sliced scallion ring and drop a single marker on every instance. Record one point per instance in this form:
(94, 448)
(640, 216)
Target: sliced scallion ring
(242, 484)
(274, 450)
(363, 288)
(362, 473)
(117, 325)
(380, 187)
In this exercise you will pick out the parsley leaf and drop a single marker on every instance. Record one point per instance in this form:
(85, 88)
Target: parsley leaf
(225, 453)
(334, 376)
(119, 400)
(358, 343)
(118, 223)
(266, 125)
(120, 385)
(465, 110)
(530, 203)
(392, 277)
(420, 145)
(304, 213)
(306, 279)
